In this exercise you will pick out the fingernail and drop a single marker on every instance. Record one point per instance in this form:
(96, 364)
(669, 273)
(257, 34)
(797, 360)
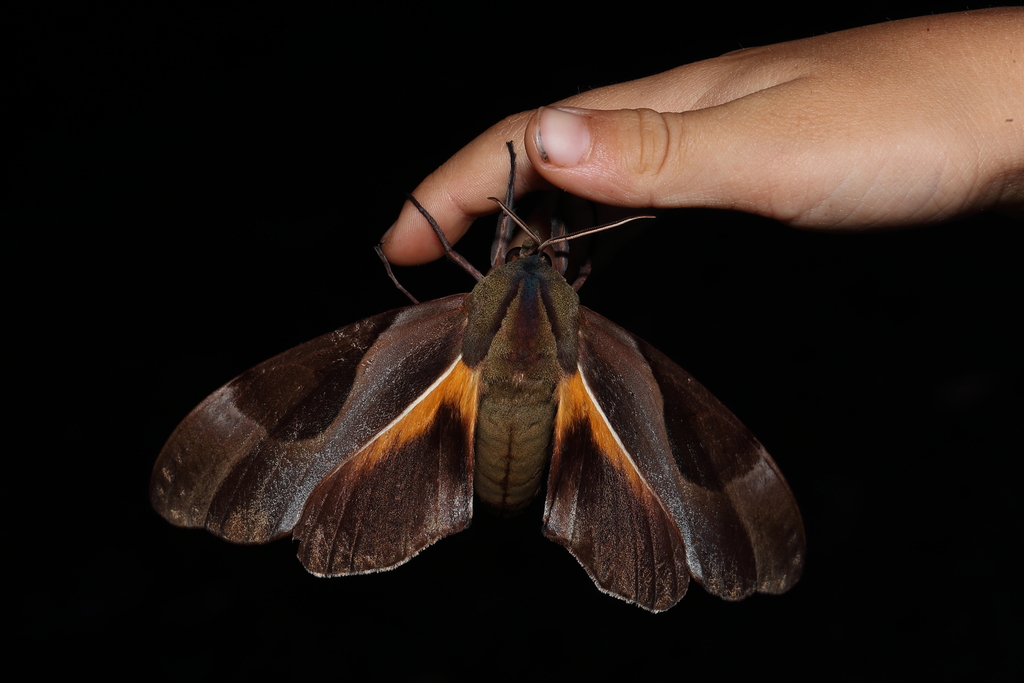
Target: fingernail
(562, 137)
(387, 234)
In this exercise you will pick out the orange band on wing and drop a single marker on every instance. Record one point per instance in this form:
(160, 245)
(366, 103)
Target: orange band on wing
(576, 405)
(458, 390)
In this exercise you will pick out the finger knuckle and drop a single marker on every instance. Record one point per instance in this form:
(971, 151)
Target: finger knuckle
(651, 154)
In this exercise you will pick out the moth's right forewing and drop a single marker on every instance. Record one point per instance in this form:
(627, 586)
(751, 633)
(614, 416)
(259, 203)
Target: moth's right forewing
(245, 461)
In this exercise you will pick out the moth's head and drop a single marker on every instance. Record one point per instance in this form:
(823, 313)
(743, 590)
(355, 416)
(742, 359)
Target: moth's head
(526, 249)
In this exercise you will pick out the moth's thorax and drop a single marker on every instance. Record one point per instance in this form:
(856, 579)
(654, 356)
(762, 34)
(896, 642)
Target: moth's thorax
(522, 336)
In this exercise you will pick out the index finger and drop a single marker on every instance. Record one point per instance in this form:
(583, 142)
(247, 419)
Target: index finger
(456, 193)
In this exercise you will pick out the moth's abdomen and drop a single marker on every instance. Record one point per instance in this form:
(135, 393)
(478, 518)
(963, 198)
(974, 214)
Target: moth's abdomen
(513, 444)
(522, 336)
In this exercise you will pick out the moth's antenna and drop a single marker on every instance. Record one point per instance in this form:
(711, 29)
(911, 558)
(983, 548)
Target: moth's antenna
(561, 238)
(558, 228)
(387, 266)
(518, 221)
(499, 249)
(590, 231)
(452, 255)
(560, 262)
(445, 244)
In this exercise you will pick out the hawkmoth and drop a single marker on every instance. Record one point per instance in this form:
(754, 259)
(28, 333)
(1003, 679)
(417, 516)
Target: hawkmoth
(366, 444)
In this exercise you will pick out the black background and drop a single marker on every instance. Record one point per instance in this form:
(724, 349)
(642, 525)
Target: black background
(203, 188)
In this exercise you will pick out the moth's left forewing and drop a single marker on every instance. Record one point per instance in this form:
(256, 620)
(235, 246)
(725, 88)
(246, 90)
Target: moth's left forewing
(681, 489)
(747, 533)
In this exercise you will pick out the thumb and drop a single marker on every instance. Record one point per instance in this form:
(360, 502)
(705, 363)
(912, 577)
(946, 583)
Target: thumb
(630, 157)
(706, 157)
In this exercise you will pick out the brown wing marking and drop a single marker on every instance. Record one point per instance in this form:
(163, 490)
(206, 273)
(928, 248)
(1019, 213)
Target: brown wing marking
(740, 522)
(747, 529)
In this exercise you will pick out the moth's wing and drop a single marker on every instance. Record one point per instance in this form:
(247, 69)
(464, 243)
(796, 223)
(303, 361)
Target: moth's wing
(360, 442)
(653, 480)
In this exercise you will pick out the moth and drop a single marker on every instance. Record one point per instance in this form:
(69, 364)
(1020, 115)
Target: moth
(367, 444)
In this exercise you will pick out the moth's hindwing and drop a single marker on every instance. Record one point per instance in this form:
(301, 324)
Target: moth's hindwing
(653, 480)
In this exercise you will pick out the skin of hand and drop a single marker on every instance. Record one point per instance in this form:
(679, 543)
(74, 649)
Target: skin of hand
(907, 122)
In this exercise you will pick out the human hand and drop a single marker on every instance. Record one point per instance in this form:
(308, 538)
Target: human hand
(907, 122)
